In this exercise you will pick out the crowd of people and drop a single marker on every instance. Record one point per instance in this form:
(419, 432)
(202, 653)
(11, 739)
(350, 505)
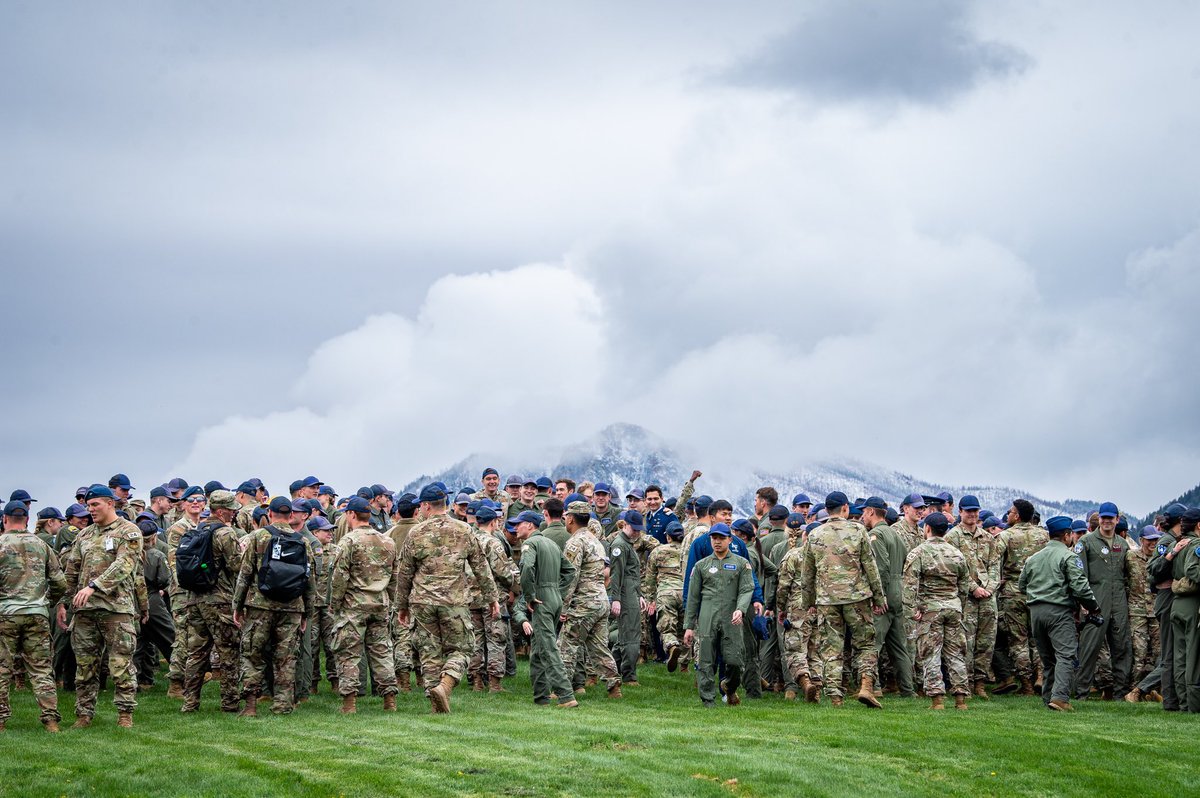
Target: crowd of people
(810, 600)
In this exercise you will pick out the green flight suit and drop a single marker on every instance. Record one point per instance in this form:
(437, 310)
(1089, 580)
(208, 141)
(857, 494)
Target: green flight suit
(1052, 581)
(719, 586)
(891, 631)
(1185, 616)
(624, 585)
(545, 575)
(1106, 563)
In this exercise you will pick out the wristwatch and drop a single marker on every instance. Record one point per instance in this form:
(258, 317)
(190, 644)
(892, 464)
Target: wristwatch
(92, 585)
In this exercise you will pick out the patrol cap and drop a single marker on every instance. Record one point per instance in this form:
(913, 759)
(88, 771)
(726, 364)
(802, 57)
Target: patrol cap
(1058, 524)
(674, 530)
(379, 489)
(778, 513)
(281, 505)
(485, 515)
(1192, 516)
(579, 506)
(937, 522)
(913, 500)
(1108, 510)
(529, 515)
(796, 521)
(20, 495)
(194, 490)
(119, 481)
(50, 512)
(326, 490)
(432, 493)
(1151, 532)
(892, 515)
(1174, 512)
(223, 500)
(462, 498)
(489, 471)
(161, 493)
(310, 482)
(178, 483)
(721, 530)
(968, 503)
(148, 528)
(743, 527)
(636, 493)
(991, 521)
(16, 509)
(211, 486)
(78, 511)
(99, 492)
(1079, 525)
(544, 483)
(318, 522)
(514, 481)
(801, 498)
(602, 487)
(301, 506)
(634, 520)
(259, 513)
(835, 500)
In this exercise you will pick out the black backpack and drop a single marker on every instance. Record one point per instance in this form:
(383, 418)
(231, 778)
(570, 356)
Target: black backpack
(195, 563)
(283, 572)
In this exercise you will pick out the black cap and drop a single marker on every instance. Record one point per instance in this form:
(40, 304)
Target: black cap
(281, 505)
(937, 522)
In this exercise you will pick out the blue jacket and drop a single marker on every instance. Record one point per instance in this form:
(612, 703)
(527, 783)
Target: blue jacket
(656, 524)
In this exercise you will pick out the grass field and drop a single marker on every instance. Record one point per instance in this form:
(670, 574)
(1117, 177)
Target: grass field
(656, 741)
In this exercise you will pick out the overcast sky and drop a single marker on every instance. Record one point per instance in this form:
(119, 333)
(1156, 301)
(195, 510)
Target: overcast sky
(362, 240)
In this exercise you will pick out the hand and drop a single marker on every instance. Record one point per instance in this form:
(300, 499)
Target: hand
(562, 618)
(688, 637)
(782, 619)
(146, 618)
(616, 608)
(62, 617)
(81, 597)
(812, 612)
(651, 608)
(1181, 545)
(980, 593)
(758, 608)
(403, 617)
(695, 476)
(527, 628)
(737, 618)
(770, 614)
(495, 610)
(237, 619)
(917, 615)
(303, 624)
(879, 609)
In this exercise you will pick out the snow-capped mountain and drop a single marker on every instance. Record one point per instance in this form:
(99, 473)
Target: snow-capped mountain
(628, 456)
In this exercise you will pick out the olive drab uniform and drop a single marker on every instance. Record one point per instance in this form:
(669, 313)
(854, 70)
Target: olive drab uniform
(1160, 570)
(936, 579)
(545, 575)
(718, 587)
(1185, 610)
(1106, 563)
(31, 582)
(839, 577)
(362, 591)
(107, 558)
(1052, 581)
(157, 634)
(982, 553)
(1017, 544)
(211, 628)
(891, 633)
(625, 570)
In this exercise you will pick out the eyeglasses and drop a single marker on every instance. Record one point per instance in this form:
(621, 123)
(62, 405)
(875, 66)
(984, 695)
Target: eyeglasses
(195, 500)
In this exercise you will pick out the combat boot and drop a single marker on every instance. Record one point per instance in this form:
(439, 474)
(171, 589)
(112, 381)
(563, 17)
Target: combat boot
(82, 722)
(567, 704)
(812, 690)
(477, 683)
(960, 702)
(403, 683)
(51, 726)
(939, 702)
(615, 691)
(836, 700)
(389, 703)
(125, 720)
(777, 687)
(590, 681)
(439, 695)
(1133, 696)
(981, 691)
(176, 689)
(495, 685)
(580, 690)
(673, 658)
(866, 693)
(333, 682)
(1154, 696)
(1061, 706)
(892, 687)
(732, 699)
(1106, 694)
(251, 708)
(349, 704)
(789, 695)
(1005, 687)
(1026, 687)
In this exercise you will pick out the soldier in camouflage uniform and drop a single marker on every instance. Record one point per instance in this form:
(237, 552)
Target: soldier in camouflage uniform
(432, 591)
(1017, 544)
(322, 623)
(270, 628)
(663, 584)
(936, 581)
(402, 633)
(31, 582)
(247, 497)
(1143, 626)
(585, 603)
(801, 642)
(100, 574)
(210, 615)
(982, 553)
(64, 542)
(840, 581)
(192, 505)
(362, 592)
(491, 634)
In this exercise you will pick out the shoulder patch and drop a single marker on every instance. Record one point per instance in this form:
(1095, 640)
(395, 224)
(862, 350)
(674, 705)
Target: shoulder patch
(1079, 563)
(1079, 548)
(1162, 549)
(1197, 550)
(616, 550)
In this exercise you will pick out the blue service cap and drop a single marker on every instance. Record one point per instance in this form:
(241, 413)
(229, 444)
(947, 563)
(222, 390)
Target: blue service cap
(743, 527)
(913, 500)
(301, 506)
(314, 505)
(778, 513)
(529, 481)
(671, 502)
(365, 492)
(636, 493)
(212, 485)
(529, 515)
(835, 500)
(856, 509)
(146, 515)
(985, 515)
(796, 520)
(1108, 510)
(702, 502)
(247, 487)
(495, 506)
(148, 528)
(968, 503)
(932, 499)
(406, 501)
(79, 492)
(160, 493)
(256, 482)
(318, 522)
(16, 509)
(178, 483)
(946, 498)
(991, 521)
(574, 497)
(1151, 532)
(634, 520)
(812, 526)
(875, 503)
(310, 482)
(602, 487)
(473, 506)
(432, 493)
(720, 529)
(674, 530)
(801, 498)
(20, 495)
(260, 513)
(1079, 525)
(441, 485)
(51, 512)
(514, 481)
(78, 511)
(937, 521)
(462, 498)
(190, 491)
(544, 483)
(281, 505)
(295, 485)
(489, 471)
(119, 481)
(99, 492)
(1058, 524)
(485, 515)
(892, 515)
(326, 490)
(379, 489)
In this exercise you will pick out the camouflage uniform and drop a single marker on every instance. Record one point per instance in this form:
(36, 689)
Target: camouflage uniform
(663, 583)
(936, 579)
(402, 634)
(799, 643)
(243, 522)
(180, 601)
(210, 626)
(982, 553)
(362, 591)
(64, 655)
(1143, 625)
(271, 628)
(31, 581)
(839, 577)
(584, 633)
(491, 634)
(1017, 544)
(433, 582)
(109, 557)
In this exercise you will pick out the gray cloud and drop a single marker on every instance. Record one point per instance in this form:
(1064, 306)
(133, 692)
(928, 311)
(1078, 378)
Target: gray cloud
(923, 52)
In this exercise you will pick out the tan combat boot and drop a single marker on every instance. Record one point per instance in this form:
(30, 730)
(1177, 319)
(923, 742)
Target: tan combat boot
(1026, 687)
(960, 702)
(495, 685)
(389, 703)
(789, 695)
(51, 726)
(439, 695)
(1009, 685)
(402, 682)
(837, 700)
(82, 722)
(1061, 706)
(125, 720)
(980, 691)
(349, 704)
(866, 693)
(251, 708)
(732, 699)
(1133, 696)
(939, 702)
(176, 689)
(1154, 696)
(615, 691)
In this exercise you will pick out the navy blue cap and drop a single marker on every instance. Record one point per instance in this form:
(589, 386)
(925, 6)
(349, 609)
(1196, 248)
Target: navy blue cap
(990, 522)
(189, 492)
(968, 503)
(462, 498)
(99, 492)
(891, 516)
(366, 492)
(835, 500)
(326, 490)
(514, 480)
(778, 513)
(812, 526)
(145, 515)
(160, 493)
(148, 528)
(743, 526)
(20, 495)
(1151, 532)
(485, 515)
(281, 505)
(379, 489)
(544, 483)
(318, 522)
(529, 481)
(674, 530)
(178, 483)
(602, 487)
(1079, 525)
(314, 505)
(1108, 510)
(671, 502)
(875, 503)
(636, 493)
(78, 511)
(212, 485)
(1122, 525)
(634, 520)
(985, 515)
(260, 513)
(489, 471)
(720, 529)
(119, 481)
(937, 521)
(441, 485)
(1058, 524)
(945, 498)
(432, 493)
(801, 498)
(295, 485)
(247, 487)
(856, 510)
(16, 510)
(913, 500)
(80, 491)
(796, 520)
(702, 502)
(406, 501)
(1175, 511)
(1192, 516)
(473, 506)
(51, 512)
(529, 515)
(310, 482)
(574, 497)
(301, 506)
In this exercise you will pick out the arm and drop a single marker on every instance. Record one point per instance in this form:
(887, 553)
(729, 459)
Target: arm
(246, 573)
(56, 581)
(872, 572)
(745, 589)
(128, 558)
(481, 569)
(693, 605)
(574, 555)
(1078, 585)
(567, 575)
(339, 576)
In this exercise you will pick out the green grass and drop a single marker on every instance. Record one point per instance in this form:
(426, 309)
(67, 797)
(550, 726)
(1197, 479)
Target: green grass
(657, 741)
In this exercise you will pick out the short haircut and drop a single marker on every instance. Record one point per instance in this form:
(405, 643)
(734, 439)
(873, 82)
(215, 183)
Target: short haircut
(406, 510)
(718, 505)
(585, 486)
(768, 494)
(553, 507)
(581, 519)
(1024, 508)
(655, 489)
(570, 483)
(362, 516)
